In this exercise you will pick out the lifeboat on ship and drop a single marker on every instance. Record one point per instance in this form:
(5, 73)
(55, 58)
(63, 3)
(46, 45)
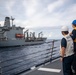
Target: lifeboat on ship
(19, 35)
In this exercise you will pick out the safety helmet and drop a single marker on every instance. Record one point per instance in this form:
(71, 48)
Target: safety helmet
(64, 28)
(74, 22)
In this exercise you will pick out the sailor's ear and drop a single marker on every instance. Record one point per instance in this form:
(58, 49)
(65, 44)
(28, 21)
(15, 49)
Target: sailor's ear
(62, 32)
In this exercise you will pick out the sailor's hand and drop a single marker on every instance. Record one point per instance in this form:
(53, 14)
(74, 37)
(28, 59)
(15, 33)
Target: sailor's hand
(61, 59)
(70, 33)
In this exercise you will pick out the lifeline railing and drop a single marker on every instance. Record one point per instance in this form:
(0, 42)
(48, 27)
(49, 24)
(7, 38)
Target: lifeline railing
(15, 61)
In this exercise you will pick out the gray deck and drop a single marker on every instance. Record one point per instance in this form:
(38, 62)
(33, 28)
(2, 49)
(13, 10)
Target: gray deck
(55, 65)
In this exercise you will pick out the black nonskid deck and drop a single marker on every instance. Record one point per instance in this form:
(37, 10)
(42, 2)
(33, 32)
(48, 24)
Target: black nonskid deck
(52, 68)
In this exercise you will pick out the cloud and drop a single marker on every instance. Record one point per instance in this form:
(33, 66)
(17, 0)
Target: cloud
(40, 15)
(30, 7)
(52, 6)
(9, 5)
(43, 18)
(1, 23)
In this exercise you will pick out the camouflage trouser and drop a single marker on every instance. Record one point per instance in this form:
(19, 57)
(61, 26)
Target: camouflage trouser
(74, 63)
(0, 68)
(0, 71)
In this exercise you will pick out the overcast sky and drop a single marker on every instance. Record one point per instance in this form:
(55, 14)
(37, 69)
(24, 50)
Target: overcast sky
(40, 15)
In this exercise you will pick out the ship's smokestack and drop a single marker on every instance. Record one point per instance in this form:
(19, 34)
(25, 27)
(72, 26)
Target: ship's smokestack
(7, 22)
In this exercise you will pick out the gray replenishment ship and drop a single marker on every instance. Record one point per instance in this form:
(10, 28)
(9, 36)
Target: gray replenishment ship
(14, 36)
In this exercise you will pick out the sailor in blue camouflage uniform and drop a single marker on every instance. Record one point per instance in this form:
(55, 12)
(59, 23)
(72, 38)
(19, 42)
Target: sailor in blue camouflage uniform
(73, 35)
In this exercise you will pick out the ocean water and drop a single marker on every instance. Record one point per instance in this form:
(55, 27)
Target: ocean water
(14, 60)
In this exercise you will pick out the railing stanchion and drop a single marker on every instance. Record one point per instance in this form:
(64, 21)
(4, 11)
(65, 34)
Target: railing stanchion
(0, 68)
(52, 49)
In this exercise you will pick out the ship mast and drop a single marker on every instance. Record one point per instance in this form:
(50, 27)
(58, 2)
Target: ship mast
(12, 19)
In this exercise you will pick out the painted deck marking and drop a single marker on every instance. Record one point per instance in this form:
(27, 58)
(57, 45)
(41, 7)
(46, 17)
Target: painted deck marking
(49, 70)
(33, 67)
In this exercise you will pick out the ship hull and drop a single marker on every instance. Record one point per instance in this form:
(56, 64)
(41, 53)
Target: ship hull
(13, 43)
